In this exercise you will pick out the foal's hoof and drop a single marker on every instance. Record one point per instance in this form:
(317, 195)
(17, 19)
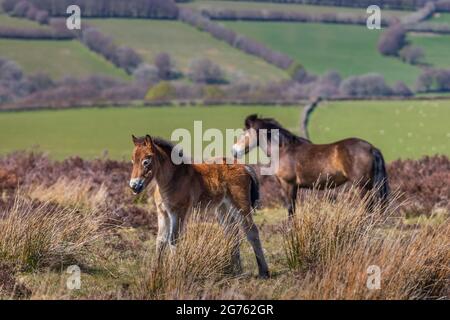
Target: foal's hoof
(264, 275)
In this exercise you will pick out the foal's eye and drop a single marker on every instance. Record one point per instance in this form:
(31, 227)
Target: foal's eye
(146, 162)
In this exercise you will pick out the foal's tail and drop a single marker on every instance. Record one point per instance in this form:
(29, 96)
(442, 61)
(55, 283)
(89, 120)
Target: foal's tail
(380, 179)
(254, 186)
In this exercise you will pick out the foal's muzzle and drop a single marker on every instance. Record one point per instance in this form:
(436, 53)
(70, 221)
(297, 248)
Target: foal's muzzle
(137, 185)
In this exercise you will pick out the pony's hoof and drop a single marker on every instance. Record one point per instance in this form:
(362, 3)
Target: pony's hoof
(264, 275)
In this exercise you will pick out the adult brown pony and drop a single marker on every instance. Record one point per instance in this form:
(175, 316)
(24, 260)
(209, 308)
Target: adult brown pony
(303, 164)
(221, 189)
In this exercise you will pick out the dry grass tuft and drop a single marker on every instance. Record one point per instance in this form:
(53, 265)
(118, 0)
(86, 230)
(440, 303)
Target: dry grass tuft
(325, 224)
(33, 234)
(333, 243)
(78, 192)
(202, 257)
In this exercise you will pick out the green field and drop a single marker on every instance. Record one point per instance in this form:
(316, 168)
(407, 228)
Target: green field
(7, 21)
(351, 50)
(401, 129)
(406, 129)
(244, 5)
(436, 47)
(441, 18)
(184, 43)
(57, 58)
(88, 132)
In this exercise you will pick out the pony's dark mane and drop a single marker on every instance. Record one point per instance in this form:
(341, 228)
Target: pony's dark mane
(286, 137)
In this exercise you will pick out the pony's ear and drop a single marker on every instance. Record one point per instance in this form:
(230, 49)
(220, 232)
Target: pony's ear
(249, 120)
(148, 141)
(135, 140)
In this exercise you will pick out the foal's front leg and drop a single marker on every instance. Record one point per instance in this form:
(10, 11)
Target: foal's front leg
(163, 230)
(176, 219)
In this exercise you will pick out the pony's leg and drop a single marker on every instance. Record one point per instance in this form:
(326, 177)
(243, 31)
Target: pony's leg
(290, 196)
(163, 231)
(176, 221)
(252, 234)
(226, 215)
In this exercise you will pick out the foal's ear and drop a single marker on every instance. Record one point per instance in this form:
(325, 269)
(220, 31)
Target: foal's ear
(135, 140)
(249, 120)
(148, 141)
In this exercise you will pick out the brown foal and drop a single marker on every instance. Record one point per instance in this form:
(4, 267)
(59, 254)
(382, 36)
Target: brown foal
(303, 164)
(221, 189)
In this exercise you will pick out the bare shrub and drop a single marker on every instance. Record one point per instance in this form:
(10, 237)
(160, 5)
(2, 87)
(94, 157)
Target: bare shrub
(203, 70)
(33, 235)
(392, 40)
(412, 54)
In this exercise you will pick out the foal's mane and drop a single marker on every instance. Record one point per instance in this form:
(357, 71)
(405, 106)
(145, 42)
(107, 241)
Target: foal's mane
(286, 137)
(165, 145)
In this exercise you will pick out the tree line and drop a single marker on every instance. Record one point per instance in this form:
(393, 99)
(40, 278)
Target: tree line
(162, 9)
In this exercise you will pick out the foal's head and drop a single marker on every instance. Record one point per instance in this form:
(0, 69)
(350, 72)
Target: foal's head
(144, 164)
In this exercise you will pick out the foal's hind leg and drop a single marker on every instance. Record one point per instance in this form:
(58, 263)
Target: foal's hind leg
(251, 231)
(240, 200)
(227, 219)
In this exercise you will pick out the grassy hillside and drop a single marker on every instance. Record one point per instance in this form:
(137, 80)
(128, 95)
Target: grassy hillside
(351, 50)
(436, 48)
(184, 43)
(57, 58)
(244, 5)
(7, 21)
(401, 129)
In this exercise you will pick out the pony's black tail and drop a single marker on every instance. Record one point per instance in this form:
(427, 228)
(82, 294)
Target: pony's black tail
(254, 186)
(380, 179)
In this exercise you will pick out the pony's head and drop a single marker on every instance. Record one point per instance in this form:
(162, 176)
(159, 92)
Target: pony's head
(144, 164)
(249, 138)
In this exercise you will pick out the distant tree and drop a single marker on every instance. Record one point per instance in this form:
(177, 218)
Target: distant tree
(425, 80)
(146, 74)
(392, 40)
(31, 13)
(42, 17)
(21, 8)
(165, 66)
(163, 91)
(10, 71)
(412, 54)
(127, 59)
(213, 93)
(401, 89)
(203, 70)
(369, 85)
(40, 81)
(443, 79)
